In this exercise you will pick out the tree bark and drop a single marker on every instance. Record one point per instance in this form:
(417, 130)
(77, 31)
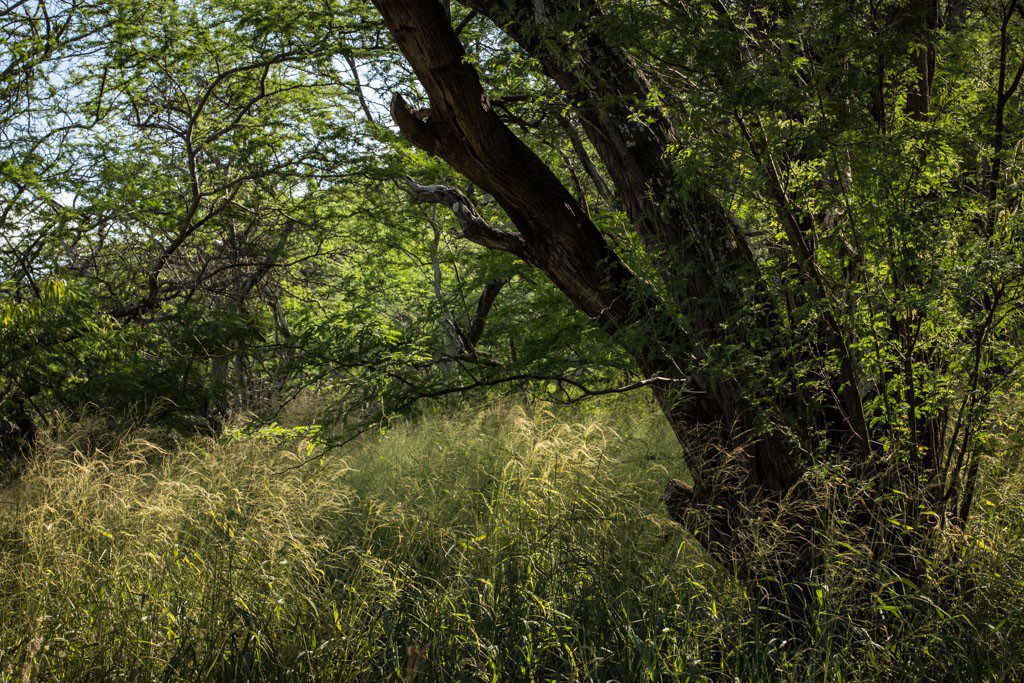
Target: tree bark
(702, 255)
(740, 463)
(748, 487)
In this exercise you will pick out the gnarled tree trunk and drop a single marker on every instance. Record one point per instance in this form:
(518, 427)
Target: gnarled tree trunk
(742, 448)
(741, 467)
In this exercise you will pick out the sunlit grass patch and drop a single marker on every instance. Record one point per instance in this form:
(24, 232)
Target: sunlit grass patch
(500, 544)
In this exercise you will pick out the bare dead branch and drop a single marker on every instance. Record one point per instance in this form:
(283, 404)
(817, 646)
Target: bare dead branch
(475, 227)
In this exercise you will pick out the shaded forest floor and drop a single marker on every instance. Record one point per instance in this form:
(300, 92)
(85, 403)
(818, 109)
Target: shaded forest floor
(504, 543)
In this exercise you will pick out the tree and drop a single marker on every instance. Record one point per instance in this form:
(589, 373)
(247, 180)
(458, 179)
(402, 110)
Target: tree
(794, 222)
(804, 317)
(163, 164)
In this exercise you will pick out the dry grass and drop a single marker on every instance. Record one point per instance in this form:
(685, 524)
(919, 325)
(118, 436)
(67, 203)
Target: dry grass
(493, 545)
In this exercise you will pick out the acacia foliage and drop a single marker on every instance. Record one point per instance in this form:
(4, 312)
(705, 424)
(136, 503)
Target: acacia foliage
(202, 212)
(203, 207)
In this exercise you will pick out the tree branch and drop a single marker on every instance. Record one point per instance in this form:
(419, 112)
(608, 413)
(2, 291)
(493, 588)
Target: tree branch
(475, 227)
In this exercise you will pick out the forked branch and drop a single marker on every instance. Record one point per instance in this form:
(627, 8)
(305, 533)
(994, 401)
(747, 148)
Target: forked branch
(475, 227)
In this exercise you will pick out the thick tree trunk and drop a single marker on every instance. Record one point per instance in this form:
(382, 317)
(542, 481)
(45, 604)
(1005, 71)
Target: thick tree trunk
(747, 477)
(701, 254)
(557, 236)
(748, 471)
(740, 465)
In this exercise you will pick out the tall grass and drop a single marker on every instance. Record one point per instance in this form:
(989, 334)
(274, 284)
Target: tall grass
(498, 544)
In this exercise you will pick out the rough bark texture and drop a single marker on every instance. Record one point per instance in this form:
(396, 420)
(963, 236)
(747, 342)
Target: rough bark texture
(682, 224)
(743, 471)
(702, 255)
(738, 470)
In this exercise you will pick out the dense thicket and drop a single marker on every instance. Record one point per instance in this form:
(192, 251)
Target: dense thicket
(796, 223)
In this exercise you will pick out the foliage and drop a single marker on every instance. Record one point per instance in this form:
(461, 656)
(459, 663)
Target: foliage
(213, 183)
(797, 222)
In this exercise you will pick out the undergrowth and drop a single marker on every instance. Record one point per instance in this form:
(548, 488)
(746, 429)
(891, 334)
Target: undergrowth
(501, 544)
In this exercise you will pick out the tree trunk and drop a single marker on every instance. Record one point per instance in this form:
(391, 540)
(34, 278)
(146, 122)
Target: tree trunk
(747, 468)
(741, 466)
(700, 252)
